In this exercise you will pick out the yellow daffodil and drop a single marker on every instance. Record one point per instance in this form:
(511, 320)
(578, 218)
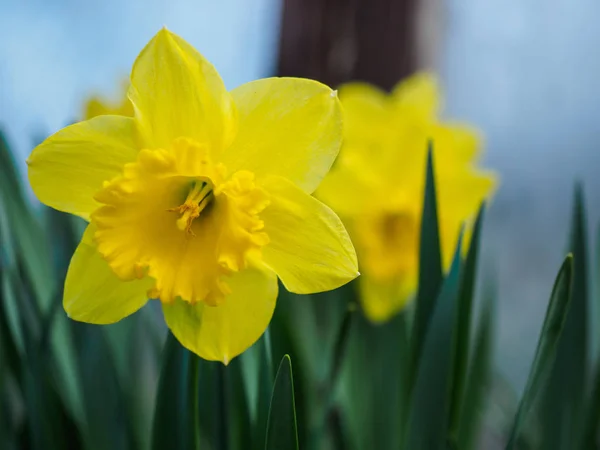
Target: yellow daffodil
(98, 106)
(201, 199)
(377, 184)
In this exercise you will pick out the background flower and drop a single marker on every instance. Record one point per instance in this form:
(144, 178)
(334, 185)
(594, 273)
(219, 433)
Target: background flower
(377, 183)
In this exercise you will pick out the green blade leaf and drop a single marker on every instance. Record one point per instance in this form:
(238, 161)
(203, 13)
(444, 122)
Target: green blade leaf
(49, 425)
(430, 262)
(431, 395)
(463, 327)
(478, 379)
(282, 432)
(176, 410)
(564, 397)
(547, 348)
(263, 385)
(591, 420)
(28, 237)
(237, 426)
(104, 400)
(592, 416)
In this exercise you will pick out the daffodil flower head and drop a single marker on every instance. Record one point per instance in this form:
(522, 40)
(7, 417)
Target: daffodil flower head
(200, 200)
(378, 180)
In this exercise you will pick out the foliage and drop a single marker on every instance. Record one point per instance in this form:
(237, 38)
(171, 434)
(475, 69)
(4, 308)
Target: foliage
(419, 381)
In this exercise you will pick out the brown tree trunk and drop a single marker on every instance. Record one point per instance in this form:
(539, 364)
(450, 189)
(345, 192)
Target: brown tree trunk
(335, 41)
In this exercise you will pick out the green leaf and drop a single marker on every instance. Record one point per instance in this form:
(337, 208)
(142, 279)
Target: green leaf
(431, 395)
(48, 423)
(237, 425)
(135, 345)
(547, 348)
(430, 263)
(176, 413)
(107, 424)
(592, 416)
(263, 387)
(28, 235)
(478, 379)
(371, 381)
(566, 391)
(591, 420)
(282, 432)
(463, 327)
(294, 331)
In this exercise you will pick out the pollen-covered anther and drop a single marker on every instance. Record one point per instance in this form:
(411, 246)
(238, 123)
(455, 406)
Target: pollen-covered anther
(197, 199)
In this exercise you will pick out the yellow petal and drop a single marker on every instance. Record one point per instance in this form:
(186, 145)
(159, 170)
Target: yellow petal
(69, 167)
(460, 195)
(310, 249)
(348, 190)
(462, 191)
(220, 333)
(380, 301)
(418, 95)
(454, 145)
(287, 126)
(94, 294)
(176, 92)
(367, 113)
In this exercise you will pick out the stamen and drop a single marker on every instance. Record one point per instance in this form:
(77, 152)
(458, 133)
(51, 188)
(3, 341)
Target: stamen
(197, 199)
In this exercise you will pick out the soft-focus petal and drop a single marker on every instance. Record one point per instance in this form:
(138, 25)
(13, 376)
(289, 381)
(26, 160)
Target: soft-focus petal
(94, 294)
(455, 145)
(347, 190)
(176, 92)
(380, 301)
(367, 117)
(287, 126)
(460, 196)
(220, 333)
(309, 247)
(461, 192)
(418, 95)
(68, 168)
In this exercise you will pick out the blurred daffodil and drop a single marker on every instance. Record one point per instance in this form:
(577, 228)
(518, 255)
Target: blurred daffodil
(98, 106)
(377, 183)
(201, 199)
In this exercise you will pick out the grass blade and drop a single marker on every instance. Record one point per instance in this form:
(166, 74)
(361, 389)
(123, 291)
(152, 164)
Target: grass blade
(176, 411)
(478, 379)
(431, 395)
(547, 347)
(430, 262)
(463, 326)
(282, 431)
(564, 397)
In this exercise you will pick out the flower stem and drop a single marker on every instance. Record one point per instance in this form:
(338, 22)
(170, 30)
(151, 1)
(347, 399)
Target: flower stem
(194, 405)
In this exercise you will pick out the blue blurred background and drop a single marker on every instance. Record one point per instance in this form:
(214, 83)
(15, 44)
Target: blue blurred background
(525, 73)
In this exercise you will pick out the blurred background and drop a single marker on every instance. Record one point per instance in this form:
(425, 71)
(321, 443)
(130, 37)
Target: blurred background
(525, 73)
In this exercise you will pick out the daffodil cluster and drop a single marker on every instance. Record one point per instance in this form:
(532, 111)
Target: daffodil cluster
(201, 199)
(377, 184)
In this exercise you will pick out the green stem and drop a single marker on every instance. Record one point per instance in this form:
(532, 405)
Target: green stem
(222, 431)
(194, 412)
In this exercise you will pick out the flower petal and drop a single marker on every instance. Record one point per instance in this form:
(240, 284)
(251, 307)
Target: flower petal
(287, 126)
(93, 293)
(220, 333)
(367, 115)
(176, 92)
(69, 167)
(309, 248)
(418, 95)
(380, 301)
